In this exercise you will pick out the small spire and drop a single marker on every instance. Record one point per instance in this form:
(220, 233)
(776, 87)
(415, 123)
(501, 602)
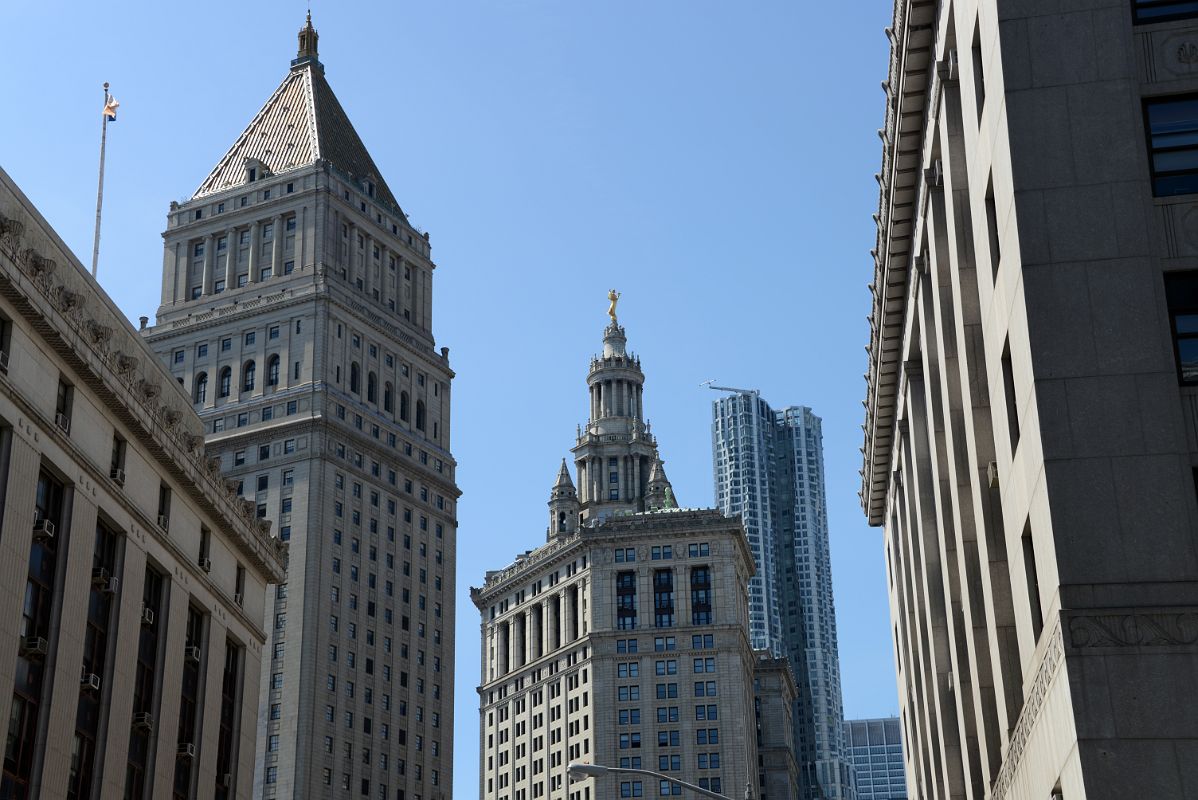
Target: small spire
(563, 477)
(307, 42)
(658, 473)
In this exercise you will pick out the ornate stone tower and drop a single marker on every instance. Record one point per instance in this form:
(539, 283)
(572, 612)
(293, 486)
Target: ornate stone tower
(563, 505)
(296, 313)
(616, 450)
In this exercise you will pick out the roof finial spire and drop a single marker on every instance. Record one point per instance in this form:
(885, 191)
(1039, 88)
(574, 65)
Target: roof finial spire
(307, 41)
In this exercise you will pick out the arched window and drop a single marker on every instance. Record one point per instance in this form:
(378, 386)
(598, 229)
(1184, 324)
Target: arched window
(388, 399)
(201, 387)
(355, 378)
(403, 406)
(372, 388)
(248, 375)
(272, 371)
(226, 379)
(419, 415)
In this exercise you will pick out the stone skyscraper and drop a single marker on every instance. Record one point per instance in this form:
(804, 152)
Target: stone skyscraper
(623, 640)
(297, 314)
(769, 471)
(1031, 411)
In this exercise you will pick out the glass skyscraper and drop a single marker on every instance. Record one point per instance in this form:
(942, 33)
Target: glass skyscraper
(769, 470)
(875, 746)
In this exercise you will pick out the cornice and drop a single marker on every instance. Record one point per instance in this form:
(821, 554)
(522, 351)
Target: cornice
(86, 329)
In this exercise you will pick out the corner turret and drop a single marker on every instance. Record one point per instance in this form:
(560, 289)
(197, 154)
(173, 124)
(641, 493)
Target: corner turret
(659, 493)
(563, 505)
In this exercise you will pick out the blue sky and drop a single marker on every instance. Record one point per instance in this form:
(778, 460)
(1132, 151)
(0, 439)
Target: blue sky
(712, 161)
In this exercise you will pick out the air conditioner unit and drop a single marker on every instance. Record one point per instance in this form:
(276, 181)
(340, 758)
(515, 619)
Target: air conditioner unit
(43, 529)
(186, 750)
(63, 422)
(110, 586)
(90, 682)
(946, 68)
(225, 781)
(99, 576)
(118, 475)
(934, 175)
(206, 564)
(239, 598)
(3, 362)
(143, 721)
(147, 616)
(164, 522)
(192, 654)
(34, 647)
(992, 474)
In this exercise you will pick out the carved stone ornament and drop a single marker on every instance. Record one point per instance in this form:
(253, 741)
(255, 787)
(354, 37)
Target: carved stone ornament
(99, 335)
(38, 266)
(68, 300)
(1147, 629)
(230, 487)
(148, 390)
(192, 442)
(171, 416)
(11, 231)
(125, 364)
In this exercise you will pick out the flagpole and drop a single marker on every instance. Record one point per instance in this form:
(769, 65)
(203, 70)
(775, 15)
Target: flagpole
(100, 190)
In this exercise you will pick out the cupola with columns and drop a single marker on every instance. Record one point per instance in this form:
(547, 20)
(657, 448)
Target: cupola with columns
(615, 452)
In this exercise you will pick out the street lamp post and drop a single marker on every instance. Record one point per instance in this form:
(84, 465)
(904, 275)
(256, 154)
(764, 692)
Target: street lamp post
(579, 771)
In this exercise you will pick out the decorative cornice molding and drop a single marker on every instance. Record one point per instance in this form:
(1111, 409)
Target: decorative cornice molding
(131, 387)
(1175, 627)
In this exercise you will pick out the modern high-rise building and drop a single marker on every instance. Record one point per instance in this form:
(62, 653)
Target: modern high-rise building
(1031, 428)
(623, 640)
(875, 748)
(769, 471)
(133, 576)
(297, 315)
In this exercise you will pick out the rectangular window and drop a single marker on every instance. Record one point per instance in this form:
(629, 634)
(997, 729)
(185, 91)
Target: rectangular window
(701, 605)
(1181, 294)
(1173, 144)
(1145, 11)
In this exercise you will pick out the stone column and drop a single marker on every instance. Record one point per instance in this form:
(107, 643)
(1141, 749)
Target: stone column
(582, 608)
(276, 247)
(111, 776)
(169, 683)
(367, 264)
(251, 277)
(209, 264)
(231, 250)
(73, 571)
(15, 545)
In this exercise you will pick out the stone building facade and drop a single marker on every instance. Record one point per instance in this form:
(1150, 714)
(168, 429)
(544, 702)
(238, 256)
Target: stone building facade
(133, 575)
(1031, 428)
(623, 640)
(297, 315)
(769, 471)
(774, 703)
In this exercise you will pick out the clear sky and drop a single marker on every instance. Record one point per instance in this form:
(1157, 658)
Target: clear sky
(713, 161)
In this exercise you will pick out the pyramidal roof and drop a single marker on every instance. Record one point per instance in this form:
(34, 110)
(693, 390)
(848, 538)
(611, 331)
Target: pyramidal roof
(300, 124)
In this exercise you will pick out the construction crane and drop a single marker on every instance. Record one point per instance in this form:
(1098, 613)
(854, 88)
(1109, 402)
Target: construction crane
(709, 385)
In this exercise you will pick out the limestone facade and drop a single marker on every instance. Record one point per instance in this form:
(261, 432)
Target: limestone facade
(296, 315)
(133, 576)
(1031, 431)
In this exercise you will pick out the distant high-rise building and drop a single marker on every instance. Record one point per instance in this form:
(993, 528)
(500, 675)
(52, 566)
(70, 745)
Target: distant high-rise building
(1031, 408)
(875, 748)
(623, 640)
(133, 575)
(769, 471)
(297, 315)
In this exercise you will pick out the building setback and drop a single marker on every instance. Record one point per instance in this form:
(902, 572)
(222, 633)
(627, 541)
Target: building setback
(1031, 431)
(128, 670)
(875, 748)
(769, 471)
(297, 315)
(623, 641)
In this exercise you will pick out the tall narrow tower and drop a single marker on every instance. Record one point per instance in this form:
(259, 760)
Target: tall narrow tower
(769, 471)
(296, 312)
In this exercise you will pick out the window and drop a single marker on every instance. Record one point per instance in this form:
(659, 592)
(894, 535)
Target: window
(202, 350)
(248, 375)
(250, 338)
(1173, 144)
(979, 76)
(226, 344)
(625, 554)
(1033, 582)
(1163, 10)
(1008, 384)
(272, 371)
(179, 354)
(201, 387)
(226, 379)
(1181, 293)
(701, 596)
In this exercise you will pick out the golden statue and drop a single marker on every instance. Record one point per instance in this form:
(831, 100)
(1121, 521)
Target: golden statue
(614, 297)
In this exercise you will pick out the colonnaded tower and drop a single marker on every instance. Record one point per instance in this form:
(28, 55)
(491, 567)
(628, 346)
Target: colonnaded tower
(297, 313)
